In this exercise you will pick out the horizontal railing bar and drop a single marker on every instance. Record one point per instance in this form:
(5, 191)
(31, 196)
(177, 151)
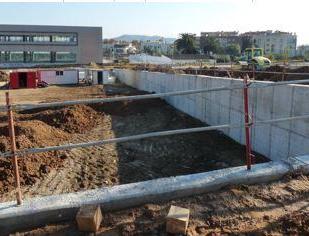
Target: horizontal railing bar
(254, 85)
(248, 71)
(143, 136)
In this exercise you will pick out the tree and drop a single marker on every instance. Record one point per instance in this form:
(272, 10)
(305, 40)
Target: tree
(186, 44)
(246, 43)
(211, 44)
(149, 51)
(233, 50)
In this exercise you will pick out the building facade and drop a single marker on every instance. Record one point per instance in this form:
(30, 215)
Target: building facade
(303, 50)
(157, 47)
(274, 42)
(225, 38)
(118, 49)
(33, 44)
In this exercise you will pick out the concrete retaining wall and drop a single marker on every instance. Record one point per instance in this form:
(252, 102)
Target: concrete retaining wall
(276, 141)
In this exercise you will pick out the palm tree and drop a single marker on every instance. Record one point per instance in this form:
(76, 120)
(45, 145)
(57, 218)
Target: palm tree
(186, 44)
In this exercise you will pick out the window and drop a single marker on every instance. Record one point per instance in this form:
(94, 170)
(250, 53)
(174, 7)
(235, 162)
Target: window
(16, 38)
(2, 56)
(3, 38)
(16, 56)
(65, 57)
(41, 56)
(59, 73)
(64, 38)
(28, 38)
(41, 38)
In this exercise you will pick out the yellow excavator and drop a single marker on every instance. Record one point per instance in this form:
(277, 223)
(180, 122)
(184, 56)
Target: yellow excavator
(254, 57)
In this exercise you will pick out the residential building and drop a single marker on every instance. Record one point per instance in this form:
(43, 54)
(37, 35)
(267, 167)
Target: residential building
(303, 50)
(157, 47)
(274, 42)
(118, 49)
(225, 38)
(40, 45)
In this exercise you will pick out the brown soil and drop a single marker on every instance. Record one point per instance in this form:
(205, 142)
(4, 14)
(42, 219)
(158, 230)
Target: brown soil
(87, 168)
(279, 208)
(74, 119)
(258, 76)
(39, 129)
(108, 165)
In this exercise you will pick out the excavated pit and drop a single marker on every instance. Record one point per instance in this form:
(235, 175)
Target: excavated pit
(112, 164)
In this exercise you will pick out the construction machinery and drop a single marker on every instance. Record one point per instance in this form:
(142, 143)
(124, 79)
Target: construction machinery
(254, 58)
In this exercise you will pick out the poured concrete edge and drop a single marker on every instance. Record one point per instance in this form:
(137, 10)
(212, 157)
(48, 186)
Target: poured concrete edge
(35, 212)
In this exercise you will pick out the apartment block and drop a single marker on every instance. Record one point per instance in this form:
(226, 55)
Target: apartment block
(225, 38)
(274, 42)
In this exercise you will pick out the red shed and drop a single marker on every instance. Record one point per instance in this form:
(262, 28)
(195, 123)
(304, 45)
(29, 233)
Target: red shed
(27, 79)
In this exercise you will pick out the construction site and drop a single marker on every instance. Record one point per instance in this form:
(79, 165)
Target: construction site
(230, 149)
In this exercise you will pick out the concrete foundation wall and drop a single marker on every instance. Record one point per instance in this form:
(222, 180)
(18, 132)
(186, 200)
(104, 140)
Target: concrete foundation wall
(276, 141)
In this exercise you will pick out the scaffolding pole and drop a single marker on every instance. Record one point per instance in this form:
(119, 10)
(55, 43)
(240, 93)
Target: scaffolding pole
(247, 121)
(13, 149)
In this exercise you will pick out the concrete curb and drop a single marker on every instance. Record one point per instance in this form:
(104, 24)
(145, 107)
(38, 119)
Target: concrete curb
(45, 210)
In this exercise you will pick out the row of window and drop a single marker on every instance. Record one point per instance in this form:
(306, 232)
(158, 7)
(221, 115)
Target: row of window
(26, 57)
(72, 38)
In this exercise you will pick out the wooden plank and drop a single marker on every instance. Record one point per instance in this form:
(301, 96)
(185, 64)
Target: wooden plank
(177, 220)
(89, 218)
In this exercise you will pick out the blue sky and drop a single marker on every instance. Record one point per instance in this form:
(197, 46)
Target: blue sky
(166, 19)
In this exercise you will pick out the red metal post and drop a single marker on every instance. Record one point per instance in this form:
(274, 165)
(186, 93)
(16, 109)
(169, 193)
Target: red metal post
(247, 124)
(13, 149)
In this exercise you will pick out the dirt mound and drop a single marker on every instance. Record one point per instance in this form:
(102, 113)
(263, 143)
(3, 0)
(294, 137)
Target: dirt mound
(30, 134)
(73, 119)
(36, 132)
(39, 129)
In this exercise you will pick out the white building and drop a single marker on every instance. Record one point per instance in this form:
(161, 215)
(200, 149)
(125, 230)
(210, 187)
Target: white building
(274, 42)
(303, 50)
(118, 49)
(158, 47)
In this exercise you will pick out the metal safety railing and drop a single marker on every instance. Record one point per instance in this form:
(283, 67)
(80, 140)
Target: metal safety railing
(249, 71)
(252, 83)
(247, 124)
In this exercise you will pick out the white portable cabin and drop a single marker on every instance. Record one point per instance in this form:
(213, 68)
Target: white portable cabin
(98, 76)
(75, 76)
(65, 76)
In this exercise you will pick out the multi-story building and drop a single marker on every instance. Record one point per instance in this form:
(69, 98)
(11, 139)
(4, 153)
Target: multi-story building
(225, 38)
(303, 50)
(118, 49)
(157, 47)
(274, 42)
(33, 44)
